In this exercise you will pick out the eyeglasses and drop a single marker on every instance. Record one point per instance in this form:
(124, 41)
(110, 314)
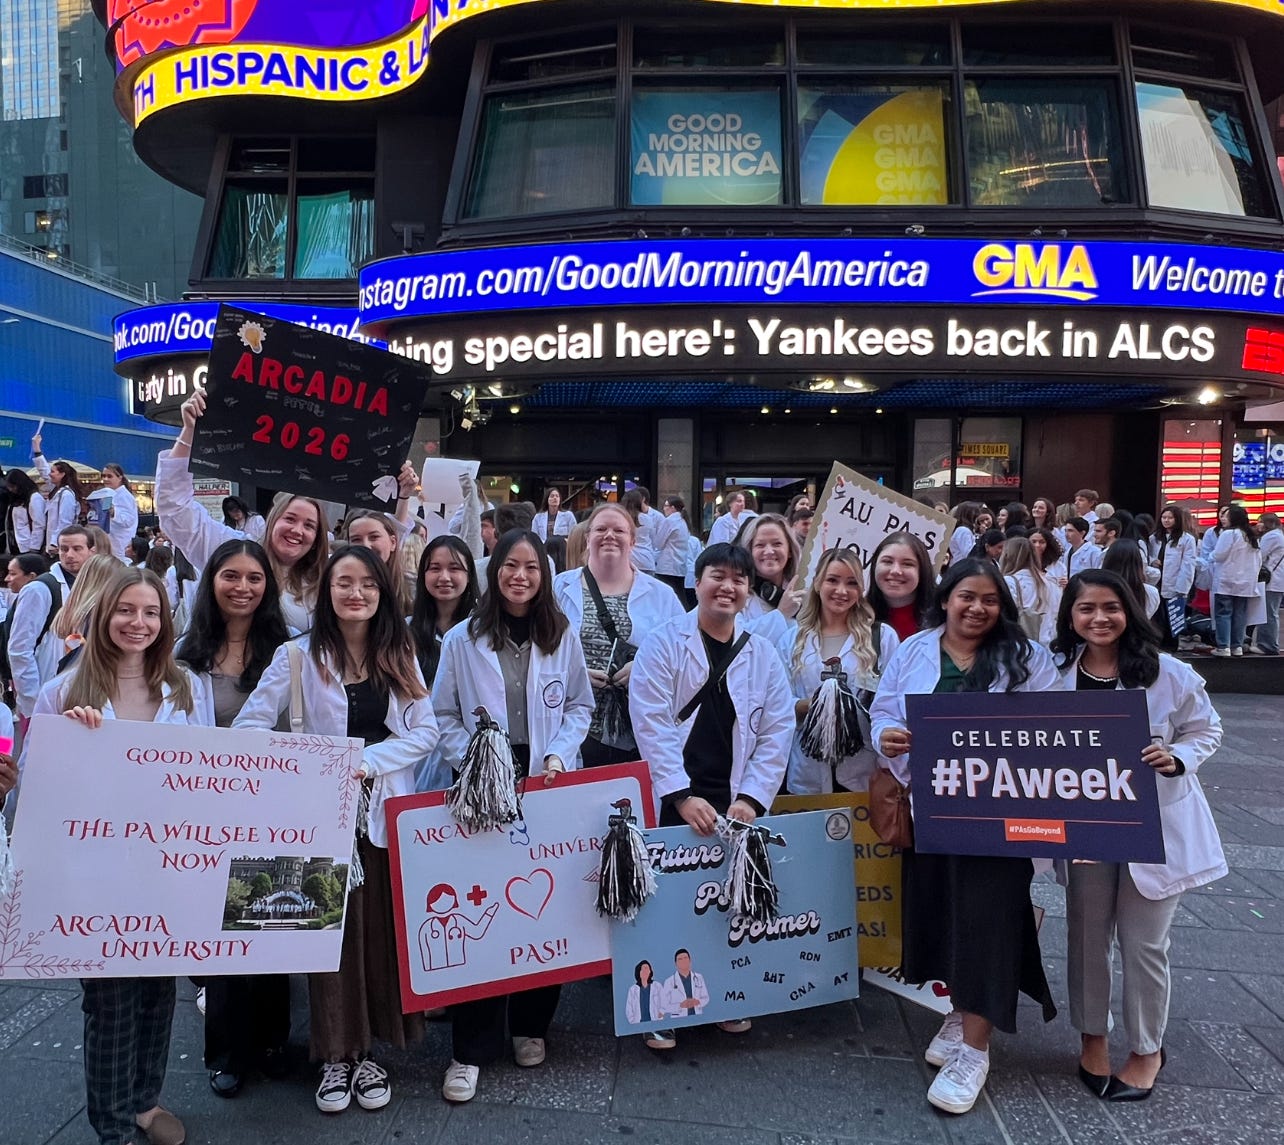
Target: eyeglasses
(348, 587)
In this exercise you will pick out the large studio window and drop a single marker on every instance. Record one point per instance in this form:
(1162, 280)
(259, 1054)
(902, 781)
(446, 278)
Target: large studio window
(295, 208)
(547, 150)
(1044, 143)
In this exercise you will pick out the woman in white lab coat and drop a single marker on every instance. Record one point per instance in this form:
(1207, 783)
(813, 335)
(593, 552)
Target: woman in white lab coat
(1104, 642)
(1172, 551)
(635, 603)
(672, 539)
(967, 919)
(552, 520)
(127, 672)
(836, 624)
(66, 497)
(1033, 592)
(774, 598)
(645, 999)
(295, 537)
(123, 526)
(518, 658)
(1237, 559)
(26, 513)
(357, 674)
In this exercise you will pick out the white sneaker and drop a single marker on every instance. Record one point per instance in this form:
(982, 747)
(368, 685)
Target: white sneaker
(946, 1042)
(1221, 652)
(460, 1083)
(200, 999)
(1238, 650)
(529, 1052)
(370, 1084)
(334, 1094)
(959, 1083)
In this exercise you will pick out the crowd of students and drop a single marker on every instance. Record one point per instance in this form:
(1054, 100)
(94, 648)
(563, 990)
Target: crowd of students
(703, 660)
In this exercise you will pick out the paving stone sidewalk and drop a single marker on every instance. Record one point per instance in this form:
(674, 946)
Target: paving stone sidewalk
(846, 1073)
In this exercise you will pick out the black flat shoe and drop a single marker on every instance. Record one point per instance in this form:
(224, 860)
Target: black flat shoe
(1096, 1083)
(225, 1083)
(275, 1063)
(1121, 1091)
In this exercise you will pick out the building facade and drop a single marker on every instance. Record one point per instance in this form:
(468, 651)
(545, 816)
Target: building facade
(991, 250)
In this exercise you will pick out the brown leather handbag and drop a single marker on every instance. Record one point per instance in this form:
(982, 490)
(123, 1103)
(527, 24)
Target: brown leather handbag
(889, 809)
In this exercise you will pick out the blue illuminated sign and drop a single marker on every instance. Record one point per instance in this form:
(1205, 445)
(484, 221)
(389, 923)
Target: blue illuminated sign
(821, 271)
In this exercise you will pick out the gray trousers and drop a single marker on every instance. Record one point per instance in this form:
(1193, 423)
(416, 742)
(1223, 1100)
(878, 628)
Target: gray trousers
(1104, 906)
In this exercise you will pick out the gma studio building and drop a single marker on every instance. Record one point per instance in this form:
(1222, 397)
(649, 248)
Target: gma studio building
(978, 250)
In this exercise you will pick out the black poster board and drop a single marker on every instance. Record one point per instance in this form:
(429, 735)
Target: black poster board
(297, 409)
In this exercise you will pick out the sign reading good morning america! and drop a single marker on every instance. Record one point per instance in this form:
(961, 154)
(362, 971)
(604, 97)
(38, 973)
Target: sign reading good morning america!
(856, 513)
(712, 148)
(688, 960)
(294, 408)
(1038, 774)
(160, 849)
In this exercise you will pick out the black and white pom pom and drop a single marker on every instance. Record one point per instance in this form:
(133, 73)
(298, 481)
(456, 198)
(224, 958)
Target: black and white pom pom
(6, 862)
(750, 887)
(485, 794)
(830, 731)
(625, 878)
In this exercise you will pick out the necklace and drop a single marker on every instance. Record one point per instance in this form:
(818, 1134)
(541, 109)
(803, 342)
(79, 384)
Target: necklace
(1099, 679)
(138, 677)
(962, 663)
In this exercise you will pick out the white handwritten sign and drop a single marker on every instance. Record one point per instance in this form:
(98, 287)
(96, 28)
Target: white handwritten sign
(485, 914)
(153, 849)
(857, 513)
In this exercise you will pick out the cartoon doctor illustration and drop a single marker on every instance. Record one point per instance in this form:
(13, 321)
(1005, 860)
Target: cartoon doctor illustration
(685, 994)
(645, 1000)
(445, 932)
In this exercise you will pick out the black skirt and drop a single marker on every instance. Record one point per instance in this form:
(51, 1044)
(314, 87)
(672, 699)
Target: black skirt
(968, 922)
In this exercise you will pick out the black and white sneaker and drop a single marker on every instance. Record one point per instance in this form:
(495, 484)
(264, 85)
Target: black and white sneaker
(334, 1094)
(370, 1084)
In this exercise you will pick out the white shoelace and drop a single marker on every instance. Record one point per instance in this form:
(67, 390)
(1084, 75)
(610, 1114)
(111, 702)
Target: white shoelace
(369, 1074)
(457, 1071)
(963, 1068)
(334, 1076)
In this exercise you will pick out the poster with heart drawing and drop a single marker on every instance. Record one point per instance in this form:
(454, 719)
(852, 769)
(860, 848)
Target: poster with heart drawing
(498, 911)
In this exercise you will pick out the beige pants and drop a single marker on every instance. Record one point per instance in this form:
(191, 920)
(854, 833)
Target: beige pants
(1103, 906)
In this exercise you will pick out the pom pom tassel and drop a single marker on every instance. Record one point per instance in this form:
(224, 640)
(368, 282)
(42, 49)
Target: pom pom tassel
(625, 878)
(6, 862)
(750, 887)
(356, 870)
(484, 796)
(830, 731)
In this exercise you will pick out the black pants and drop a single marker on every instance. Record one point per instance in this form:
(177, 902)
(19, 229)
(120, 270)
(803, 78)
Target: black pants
(677, 583)
(594, 753)
(477, 1028)
(245, 1015)
(127, 1028)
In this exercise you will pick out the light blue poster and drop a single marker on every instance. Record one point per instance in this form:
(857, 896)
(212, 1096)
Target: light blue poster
(687, 960)
(696, 146)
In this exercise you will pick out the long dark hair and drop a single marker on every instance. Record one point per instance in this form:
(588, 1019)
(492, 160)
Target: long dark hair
(1160, 533)
(1237, 518)
(1054, 548)
(69, 479)
(1005, 649)
(923, 595)
(207, 629)
(1124, 558)
(390, 654)
(1139, 643)
(236, 503)
(21, 487)
(490, 620)
(423, 616)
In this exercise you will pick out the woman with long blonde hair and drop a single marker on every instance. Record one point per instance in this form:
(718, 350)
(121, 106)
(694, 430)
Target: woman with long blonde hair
(836, 629)
(127, 672)
(76, 615)
(1034, 593)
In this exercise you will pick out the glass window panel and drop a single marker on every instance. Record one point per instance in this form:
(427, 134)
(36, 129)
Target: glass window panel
(250, 238)
(1036, 45)
(260, 156)
(355, 153)
(864, 143)
(709, 146)
(686, 48)
(555, 57)
(909, 45)
(932, 459)
(1197, 146)
(550, 150)
(1044, 143)
(1204, 57)
(990, 454)
(335, 230)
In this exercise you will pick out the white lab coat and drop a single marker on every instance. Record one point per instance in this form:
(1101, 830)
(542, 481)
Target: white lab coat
(726, 527)
(563, 523)
(694, 549)
(192, 530)
(1151, 603)
(1177, 570)
(62, 510)
(1026, 594)
(29, 525)
(809, 776)
(633, 1002)
(32, 665)
(124, 521)
(1184, 720)
(670, 668)
(674, 994)
(651, 602)
(915, 669)
(1087, 556)
(962, 542)
(391, 764)
(1236, 564)
(559, 698)
(644, 547)
(669, 539)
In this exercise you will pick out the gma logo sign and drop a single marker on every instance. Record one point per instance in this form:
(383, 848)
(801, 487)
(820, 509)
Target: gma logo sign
(1044, 269)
